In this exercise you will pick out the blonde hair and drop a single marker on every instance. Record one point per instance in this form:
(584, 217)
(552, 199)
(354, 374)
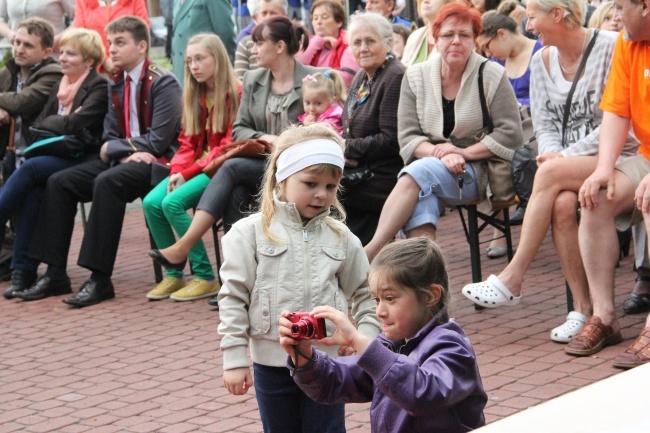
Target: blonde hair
(329, 83)
(87, 41)
(224, 82)
(270, 186)
(574, 10)
(599, 15)
(415, 264)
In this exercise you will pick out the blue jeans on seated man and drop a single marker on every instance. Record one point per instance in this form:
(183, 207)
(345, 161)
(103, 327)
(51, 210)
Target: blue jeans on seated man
(285, 408)
(23, 192)
(438, 188)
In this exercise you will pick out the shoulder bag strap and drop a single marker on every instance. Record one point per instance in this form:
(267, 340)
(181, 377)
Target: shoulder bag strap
(569, 98)
(487, 120)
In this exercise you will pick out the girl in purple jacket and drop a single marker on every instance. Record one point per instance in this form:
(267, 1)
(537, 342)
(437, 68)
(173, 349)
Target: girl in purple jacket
(420, 373)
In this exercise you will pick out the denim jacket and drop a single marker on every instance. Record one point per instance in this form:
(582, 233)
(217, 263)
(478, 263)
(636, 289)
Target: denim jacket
(429, 383)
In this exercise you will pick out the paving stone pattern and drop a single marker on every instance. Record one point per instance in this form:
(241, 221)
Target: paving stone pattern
(131, 365)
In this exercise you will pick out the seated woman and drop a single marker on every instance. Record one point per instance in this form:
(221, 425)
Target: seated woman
(328, 47)
(567, 154)
(370, 122)
(500, 38)
(271, 101)
(77, 106)
(441, 133)
(208, 116)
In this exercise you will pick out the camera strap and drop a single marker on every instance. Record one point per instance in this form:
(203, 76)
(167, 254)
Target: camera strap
(298, 353)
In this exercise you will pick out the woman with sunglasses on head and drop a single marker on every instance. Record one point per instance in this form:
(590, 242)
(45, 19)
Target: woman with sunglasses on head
(572, 57)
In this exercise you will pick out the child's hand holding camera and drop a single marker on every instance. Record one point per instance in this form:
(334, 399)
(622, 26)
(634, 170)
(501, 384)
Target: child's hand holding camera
(347, 336)
(289, 343)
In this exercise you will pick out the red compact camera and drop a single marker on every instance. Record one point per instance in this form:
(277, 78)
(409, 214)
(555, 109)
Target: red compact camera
(306, 327)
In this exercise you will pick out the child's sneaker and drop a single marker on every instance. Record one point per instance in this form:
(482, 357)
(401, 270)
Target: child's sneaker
(197, 289)
(165, 288)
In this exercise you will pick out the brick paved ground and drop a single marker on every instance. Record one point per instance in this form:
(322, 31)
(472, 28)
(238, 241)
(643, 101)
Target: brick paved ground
(129, 365)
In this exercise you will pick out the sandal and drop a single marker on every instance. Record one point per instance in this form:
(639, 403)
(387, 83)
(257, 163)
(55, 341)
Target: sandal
(594, 336)
(638, 303)
(574, 323)
(637, 354)
(491, 293)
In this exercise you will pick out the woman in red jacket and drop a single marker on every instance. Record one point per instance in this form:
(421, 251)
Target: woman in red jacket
(207, 127)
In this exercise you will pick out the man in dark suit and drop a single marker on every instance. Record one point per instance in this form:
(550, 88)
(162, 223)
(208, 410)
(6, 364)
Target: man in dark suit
(140, 129)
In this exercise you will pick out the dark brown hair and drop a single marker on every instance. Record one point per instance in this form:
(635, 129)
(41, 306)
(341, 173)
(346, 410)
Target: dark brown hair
(135, 26)
(493, 21)
(295, 36)
(41, 28)
(415, 264)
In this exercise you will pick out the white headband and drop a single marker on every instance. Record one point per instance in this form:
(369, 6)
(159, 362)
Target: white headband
(306, 154)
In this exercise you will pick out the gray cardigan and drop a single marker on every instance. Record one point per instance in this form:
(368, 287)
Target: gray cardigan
(251, 117)
(420, 116)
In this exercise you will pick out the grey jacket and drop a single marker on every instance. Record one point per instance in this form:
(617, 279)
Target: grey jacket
(314, 265)
(251, 117)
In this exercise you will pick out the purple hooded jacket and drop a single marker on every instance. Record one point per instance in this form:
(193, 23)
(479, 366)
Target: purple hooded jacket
(430, 383)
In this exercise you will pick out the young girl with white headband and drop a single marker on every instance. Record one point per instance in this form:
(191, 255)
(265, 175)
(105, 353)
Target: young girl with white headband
(292, 255)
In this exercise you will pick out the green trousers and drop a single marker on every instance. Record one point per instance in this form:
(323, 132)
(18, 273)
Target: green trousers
(167, 213)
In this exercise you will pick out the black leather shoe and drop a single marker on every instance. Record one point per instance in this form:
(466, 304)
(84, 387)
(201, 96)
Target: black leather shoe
(517, 217)
(92, 292)
(20, 281)
(213, 302)
(157, 257)
(45, 287)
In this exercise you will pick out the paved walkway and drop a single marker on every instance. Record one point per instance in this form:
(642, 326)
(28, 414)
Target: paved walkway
(130, 365)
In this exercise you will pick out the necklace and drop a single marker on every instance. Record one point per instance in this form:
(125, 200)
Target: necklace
(584, 46)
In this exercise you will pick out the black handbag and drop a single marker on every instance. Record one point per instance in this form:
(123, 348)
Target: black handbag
(524, 167)
(354, 176)
(48, 143)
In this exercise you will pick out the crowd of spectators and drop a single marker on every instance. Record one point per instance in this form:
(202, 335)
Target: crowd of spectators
(85, 115)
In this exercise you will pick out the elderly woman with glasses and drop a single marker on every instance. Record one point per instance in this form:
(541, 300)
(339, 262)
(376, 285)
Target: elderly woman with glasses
(370, 122)
(441, 132)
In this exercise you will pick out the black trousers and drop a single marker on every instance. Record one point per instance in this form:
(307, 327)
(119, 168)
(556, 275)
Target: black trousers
(110, 189)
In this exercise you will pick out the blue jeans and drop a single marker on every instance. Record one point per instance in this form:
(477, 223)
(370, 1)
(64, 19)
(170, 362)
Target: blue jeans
(438, 187)
(23, 191)
(284, 408)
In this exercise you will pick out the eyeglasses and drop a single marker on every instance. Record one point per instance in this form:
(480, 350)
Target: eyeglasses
(486, 46)
(198, 60)
(449, 37)
(369, 43)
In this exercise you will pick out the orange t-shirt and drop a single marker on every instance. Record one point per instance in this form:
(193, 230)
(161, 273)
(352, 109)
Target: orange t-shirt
(627, 93)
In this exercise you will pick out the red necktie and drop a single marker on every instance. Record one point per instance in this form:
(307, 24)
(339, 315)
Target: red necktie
(127, 106)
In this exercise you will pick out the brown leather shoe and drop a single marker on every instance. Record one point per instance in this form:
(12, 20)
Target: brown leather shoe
(594, 336)
(637, 354)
